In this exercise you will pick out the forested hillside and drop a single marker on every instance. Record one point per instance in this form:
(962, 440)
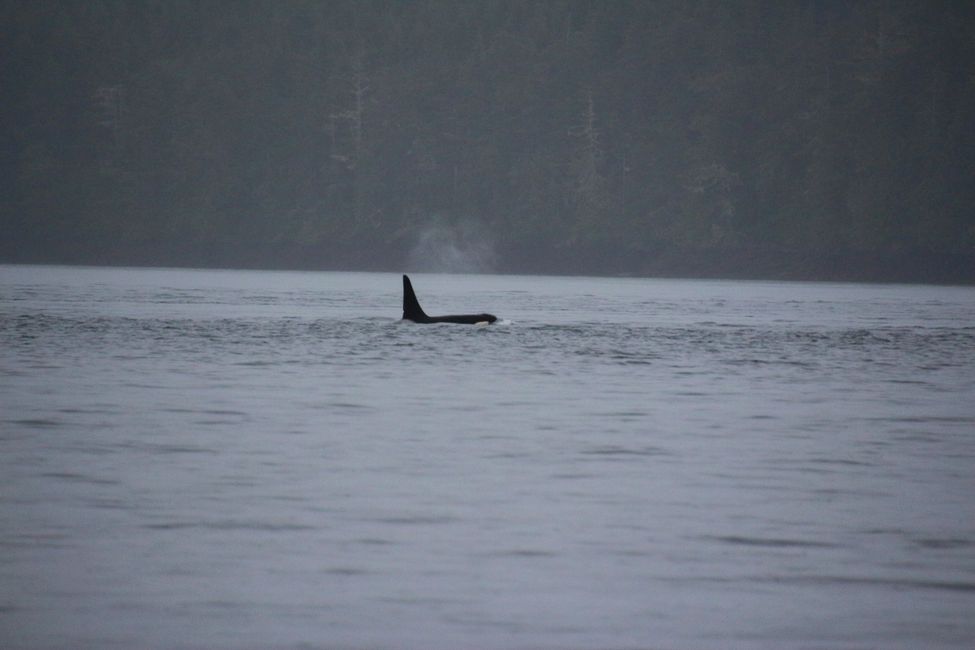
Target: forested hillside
(792, 139)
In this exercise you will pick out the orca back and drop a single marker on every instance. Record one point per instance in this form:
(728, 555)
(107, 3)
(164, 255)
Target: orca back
(413, 312)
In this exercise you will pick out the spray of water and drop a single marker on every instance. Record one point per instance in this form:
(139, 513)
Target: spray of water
(461, 247)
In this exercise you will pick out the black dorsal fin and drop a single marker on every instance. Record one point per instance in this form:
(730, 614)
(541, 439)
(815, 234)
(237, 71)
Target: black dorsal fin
(411, 306)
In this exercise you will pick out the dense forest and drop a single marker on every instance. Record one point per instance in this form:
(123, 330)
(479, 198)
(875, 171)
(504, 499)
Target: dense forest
(782, 139)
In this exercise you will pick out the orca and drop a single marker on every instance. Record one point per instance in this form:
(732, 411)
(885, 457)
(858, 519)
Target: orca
(413, 312)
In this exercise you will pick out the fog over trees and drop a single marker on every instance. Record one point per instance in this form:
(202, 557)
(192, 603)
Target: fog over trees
(785, 139)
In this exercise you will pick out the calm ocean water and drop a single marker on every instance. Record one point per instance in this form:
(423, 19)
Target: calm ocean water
(223, 459)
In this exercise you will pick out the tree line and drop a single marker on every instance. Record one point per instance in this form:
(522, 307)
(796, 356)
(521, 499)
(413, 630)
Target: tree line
(802, 138)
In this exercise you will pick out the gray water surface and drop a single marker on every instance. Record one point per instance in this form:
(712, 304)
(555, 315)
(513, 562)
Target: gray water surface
(222, 459)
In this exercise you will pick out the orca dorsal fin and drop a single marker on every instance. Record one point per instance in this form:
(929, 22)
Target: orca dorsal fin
(411, 306)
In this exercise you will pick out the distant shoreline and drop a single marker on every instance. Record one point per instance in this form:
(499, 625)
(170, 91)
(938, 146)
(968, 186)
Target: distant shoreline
(905, 267)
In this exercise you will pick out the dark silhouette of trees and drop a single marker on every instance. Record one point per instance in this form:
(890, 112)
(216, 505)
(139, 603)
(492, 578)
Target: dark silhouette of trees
(806, 138)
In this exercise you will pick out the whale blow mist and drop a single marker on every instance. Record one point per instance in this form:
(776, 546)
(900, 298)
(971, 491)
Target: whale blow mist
(463, 247)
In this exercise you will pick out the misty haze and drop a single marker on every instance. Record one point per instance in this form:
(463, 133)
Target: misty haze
(801, 140)
(694, 366)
